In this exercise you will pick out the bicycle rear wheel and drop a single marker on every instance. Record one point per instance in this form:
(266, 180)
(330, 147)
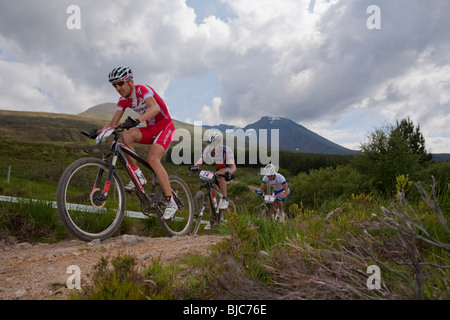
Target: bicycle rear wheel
(182, 223)
(81, 207)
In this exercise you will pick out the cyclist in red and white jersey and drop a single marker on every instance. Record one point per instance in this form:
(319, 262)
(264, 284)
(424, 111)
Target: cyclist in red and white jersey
(158, 132)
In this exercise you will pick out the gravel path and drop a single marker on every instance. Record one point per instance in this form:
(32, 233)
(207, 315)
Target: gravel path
(39, 271)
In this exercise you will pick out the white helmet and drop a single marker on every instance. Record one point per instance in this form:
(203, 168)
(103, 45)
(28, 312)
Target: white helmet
(215, 137)
(270, 169)
(120, 74)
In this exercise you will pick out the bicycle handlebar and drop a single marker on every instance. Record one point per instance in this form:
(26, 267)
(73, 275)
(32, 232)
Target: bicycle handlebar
(198, 170)
(95, 132)
(263, 195)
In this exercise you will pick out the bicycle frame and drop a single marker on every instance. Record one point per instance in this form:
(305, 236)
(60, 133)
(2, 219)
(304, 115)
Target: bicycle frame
(118, 151)
(210, 188)
(201, 199)
(269, 205)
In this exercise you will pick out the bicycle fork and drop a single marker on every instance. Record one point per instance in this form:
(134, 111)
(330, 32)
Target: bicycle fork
(98, 198)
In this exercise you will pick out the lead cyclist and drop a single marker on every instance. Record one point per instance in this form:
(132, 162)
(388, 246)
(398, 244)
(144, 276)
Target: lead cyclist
(158, 132)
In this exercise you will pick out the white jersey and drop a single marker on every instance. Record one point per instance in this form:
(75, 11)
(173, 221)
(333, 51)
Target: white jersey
(277, 183)
(223, 159)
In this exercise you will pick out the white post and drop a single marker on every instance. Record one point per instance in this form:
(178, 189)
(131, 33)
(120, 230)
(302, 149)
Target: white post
(9, 175)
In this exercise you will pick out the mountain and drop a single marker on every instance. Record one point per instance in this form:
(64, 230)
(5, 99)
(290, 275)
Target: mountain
(105, 110)
(292, 136)
(441, 157)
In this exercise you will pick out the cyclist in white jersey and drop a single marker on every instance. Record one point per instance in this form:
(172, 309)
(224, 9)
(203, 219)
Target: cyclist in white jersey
(280, 188)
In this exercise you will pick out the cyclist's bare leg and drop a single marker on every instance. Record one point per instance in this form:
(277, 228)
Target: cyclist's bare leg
(130, 137)
(222, 182)
(154, 159)
(280, 205)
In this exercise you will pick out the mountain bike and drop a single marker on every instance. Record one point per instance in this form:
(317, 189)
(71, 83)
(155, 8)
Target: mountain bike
(268, 209)
(206, 202)
(91, 197)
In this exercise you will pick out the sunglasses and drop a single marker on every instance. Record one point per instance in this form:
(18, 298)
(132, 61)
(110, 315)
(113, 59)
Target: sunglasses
(118, 84)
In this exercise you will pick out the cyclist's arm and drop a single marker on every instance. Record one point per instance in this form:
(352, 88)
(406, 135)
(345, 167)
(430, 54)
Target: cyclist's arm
(232, 168)
(199, 163)
(115, 120)
(286, 190)
(153, 109)
(263, 186)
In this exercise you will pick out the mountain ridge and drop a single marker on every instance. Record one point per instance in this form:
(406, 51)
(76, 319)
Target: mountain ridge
(292, 136)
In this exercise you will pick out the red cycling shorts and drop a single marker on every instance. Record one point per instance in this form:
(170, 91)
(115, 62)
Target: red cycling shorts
(158, 135)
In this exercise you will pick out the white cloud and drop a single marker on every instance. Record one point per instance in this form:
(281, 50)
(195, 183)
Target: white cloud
(310, 61)
(210, 114)
(438, 145)
(42, 87)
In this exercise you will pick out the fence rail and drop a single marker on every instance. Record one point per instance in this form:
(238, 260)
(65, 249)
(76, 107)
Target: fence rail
(130, 214)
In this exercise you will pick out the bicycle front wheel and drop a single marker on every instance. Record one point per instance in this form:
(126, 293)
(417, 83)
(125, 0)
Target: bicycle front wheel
(181, 224)
(81, 205)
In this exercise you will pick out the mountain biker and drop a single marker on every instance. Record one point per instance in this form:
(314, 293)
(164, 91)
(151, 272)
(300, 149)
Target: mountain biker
(280, 188)
(158, 132)
(222, 156)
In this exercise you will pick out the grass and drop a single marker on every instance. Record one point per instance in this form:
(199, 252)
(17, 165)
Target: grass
(308, 257)
(30, 221)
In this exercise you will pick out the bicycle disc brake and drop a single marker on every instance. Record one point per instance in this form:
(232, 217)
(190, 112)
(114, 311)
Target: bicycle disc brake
(97, 199)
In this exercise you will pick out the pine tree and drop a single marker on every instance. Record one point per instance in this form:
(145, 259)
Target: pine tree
(415, 139)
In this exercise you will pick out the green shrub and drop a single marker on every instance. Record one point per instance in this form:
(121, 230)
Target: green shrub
(320, 186)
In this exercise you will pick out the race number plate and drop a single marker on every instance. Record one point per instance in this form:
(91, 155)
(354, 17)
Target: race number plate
(206, 175)
(269, 199)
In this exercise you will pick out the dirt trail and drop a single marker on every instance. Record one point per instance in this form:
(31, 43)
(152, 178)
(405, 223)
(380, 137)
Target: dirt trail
(39, 271)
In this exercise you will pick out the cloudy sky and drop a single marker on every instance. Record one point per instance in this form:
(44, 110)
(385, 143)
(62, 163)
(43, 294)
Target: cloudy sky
(322, 63)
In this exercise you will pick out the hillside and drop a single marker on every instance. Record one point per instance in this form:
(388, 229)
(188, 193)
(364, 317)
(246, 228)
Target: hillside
(45, 127)
(58, 127)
